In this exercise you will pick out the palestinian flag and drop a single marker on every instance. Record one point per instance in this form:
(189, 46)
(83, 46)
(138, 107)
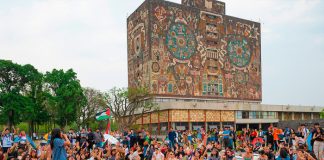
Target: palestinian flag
(103, 115)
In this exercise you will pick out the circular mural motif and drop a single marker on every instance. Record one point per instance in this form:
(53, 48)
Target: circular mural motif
(155, 67)
(181, 41)
(239, 52)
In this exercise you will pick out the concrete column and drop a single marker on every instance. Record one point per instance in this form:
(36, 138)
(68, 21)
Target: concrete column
(302, 116)
(206, 126)
(190, 125)
(260, 125)
(312, 116)
(221, 124)
(293, 116)
(248, 126)
(283, 116)
(173, 125)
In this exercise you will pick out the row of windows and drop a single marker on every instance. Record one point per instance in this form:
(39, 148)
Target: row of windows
(192, 100)
(255, 115)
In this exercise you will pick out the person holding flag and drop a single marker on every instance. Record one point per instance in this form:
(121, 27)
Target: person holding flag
(105, 115)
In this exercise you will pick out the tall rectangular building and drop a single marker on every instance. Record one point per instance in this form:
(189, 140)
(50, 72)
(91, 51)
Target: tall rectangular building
(194, 50)
(202, 66)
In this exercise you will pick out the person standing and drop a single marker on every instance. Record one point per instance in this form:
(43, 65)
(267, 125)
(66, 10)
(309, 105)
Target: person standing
(91, 139)
(6, 140)
(227, 137)
(72, 136)
(83, 136)
(58, 143)
(318, 138)
(172, 135)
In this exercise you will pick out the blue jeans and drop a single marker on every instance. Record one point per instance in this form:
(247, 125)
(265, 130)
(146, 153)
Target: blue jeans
(171, 144)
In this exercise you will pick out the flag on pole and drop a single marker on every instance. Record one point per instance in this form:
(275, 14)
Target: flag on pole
(103, 115)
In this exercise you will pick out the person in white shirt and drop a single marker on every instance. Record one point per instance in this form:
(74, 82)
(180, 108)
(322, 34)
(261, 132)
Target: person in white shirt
(6, 140)
(157, 155)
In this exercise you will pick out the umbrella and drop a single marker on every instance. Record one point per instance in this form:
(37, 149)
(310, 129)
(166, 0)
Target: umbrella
(110, 139)
(255, 140)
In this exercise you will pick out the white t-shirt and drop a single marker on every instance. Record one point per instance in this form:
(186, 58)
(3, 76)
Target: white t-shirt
(158, 156)
(7, 140)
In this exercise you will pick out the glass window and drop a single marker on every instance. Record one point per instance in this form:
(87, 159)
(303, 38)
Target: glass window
(265, 115)
(271, 115)
(245, 115)
(197, 125)
(238, 114)
(253, 115)
(259, 115)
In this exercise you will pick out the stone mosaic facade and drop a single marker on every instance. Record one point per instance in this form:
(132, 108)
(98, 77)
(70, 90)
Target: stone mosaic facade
(197, 115)
(179, 115)
(193, 50)
(164, 116)
(185, 115)
(146, 118)
(213, 116)
(154, 117)
(227, 116)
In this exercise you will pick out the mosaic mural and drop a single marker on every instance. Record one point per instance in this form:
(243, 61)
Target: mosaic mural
(209, 5)
(177, 50)
(138, 47)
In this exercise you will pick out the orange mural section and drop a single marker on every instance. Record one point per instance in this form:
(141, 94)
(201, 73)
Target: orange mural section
(227, 116)
(164, 116)
(213, 116)
(154, 117)
(197, 115)
(179, 115)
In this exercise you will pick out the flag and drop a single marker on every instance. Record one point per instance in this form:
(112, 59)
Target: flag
(103, 115)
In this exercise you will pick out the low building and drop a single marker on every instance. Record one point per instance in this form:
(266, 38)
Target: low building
(192, 114)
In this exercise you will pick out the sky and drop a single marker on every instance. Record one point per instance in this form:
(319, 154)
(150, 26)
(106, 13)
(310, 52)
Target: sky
(90, 37)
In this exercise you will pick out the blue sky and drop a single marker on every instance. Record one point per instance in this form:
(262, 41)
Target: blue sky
(90, 37)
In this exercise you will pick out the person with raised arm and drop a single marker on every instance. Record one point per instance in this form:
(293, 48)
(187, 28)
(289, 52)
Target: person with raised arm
(58, 143)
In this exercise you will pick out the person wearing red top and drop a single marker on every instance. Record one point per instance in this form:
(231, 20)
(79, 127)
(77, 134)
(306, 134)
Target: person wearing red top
(254, 134)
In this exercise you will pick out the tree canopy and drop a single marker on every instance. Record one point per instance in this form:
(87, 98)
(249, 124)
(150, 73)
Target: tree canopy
(57, 97)
(127, 105)
(30, 96)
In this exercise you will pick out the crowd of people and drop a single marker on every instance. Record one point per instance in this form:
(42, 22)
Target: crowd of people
(215, 144)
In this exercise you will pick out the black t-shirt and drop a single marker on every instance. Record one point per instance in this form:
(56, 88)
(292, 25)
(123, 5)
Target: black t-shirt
(319, 136)
(269, 137)
(91, 137)
(13, 154)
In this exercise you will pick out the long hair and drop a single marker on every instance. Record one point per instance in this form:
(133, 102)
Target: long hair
(56, 133)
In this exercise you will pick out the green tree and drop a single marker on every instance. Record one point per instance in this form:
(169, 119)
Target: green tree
(322, 114)
(14, 80)
(95, 103)
(127, 105)
(35, 113)
(65, 96)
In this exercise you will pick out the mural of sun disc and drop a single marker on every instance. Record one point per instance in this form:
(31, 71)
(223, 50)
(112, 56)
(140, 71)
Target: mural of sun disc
(180, 41)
